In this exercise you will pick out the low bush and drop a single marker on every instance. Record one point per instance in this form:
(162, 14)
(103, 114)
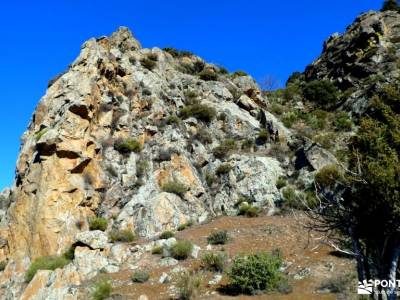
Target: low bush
(262, 137)
(208, 75)
(188, 285)
(140, 276)
(257, 272)
(289, 118)
(150, 61)
(181, 249)
(101, 289)
(203, 136)
(124, 235)
(173, 119)
(280, 183)
(98, 223)
(210, 178)
(225, 148)
(3, 265)
(342, 122)
(327, 140)
(157, 250)
(223, 169)
(175, 187)
(127, 146)
(239, 74)
(178, 53)
(214, 262)
(248, 210)
(290, 198)
(218, 238)
(247, 145)
(185, 225)
(45, 263)
(337, 284)
(199, 111)
(328, 176)
(166, 235)
(323, 92)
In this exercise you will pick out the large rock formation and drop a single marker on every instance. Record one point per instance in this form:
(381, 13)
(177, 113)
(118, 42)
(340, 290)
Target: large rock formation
(72, 165)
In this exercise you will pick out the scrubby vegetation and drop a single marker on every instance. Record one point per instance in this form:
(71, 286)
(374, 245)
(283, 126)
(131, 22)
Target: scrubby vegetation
(257, 272)
(188, 285)
(124, 235)
(208, 75)
(166, 235)
(175, 187)
(218, 238)
(225, 148)
(127, 146)
(182, 249)
(214, 262)
(185, 225)
(140, 276)
(101, 289)
(322, 92)
(199, 111)
(45, 263)
(223, 169)
(98, 223)
(157, 250)
(249, 211)
(150, 61)
(280, 183)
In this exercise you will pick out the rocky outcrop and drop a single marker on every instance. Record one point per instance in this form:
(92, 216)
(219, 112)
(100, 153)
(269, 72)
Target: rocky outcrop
(362, 59)
(72, 165)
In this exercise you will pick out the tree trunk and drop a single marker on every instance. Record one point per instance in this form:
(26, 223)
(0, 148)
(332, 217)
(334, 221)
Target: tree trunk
(392, 291)
(359, 256)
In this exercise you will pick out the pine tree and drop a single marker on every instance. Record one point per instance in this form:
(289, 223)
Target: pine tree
(390, 5)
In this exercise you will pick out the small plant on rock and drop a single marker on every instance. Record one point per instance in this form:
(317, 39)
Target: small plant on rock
(175, 187)
(249, 211)
(181, 249)
(208, 75)
(124, 235)
(199, 111)
(45, 263)
(223, 169)
(98, 223)
(157, 250)
(185, 225)
(128, 146)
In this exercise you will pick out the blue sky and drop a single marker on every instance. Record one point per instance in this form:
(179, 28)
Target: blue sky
(40, 38)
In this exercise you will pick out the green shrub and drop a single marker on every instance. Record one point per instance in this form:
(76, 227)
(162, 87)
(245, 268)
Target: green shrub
(203, 135)
(323, 92)
(41, 133)
(150, 61)
(208, 75)
(178, 53)
(247, 144)
(328, 176)
(124, 235)
(98, 223)
(127, 146)
(214, 262)
(263, 136)
(175, 187)
(181, 249)
(157, 250)
(140, 276)
(166, 235)
(173, 119)
(101, 290)
(390, 5)
(342, 122)
(218, 238)
(280, 183)
(257, 272)
(289, 118)
(337, 284)
(45, 263)
(326, 140)
(210, 178)
(290, 198)
(316, 119)
(248, 210)
(223, 70)
(225, 148)
(3, 265)
(277, 108)
(223, 169)
(239, 74)
(188, 285)
(185, 225)
(199, 111)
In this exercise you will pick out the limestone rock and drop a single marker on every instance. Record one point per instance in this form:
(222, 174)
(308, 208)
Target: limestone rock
(94, 239)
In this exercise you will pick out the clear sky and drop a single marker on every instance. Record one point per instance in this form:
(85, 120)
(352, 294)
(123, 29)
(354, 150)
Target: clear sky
(263, 37)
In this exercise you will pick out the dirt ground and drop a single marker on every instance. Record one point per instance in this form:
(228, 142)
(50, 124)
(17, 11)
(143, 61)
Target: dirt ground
(303, 253)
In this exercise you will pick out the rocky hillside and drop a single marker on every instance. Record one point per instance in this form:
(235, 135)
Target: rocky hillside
(147, 140)
(132, 142)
